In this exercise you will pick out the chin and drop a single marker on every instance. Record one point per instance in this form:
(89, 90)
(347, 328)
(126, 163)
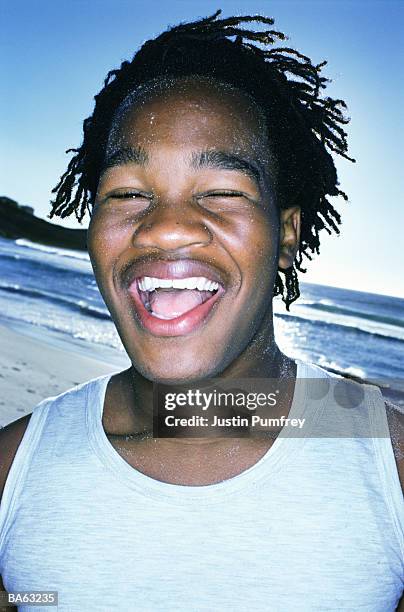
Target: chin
(183, 368)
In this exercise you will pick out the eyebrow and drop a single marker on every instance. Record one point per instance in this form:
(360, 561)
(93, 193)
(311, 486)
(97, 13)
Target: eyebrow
(225, 160)
(210, 158)
(126, 155)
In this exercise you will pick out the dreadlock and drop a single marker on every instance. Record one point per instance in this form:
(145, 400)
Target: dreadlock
(303, 126)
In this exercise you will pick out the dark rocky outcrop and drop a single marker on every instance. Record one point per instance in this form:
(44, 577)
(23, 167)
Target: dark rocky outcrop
(18, 221)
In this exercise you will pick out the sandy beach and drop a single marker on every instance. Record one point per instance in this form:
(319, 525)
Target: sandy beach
(35, 364)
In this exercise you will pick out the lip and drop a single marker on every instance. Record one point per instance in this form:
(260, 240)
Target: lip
(176, 269)
(184, 268)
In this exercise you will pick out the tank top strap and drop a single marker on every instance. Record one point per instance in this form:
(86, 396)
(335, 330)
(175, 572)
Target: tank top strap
(386, 462)
(57, 424)
(20, 465)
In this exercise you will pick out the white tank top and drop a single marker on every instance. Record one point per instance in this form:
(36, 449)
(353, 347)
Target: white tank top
(316, 524)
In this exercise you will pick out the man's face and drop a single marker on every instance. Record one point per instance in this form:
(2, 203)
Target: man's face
(184, 234)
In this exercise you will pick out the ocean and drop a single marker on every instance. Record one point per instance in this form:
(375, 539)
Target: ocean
(349, 332)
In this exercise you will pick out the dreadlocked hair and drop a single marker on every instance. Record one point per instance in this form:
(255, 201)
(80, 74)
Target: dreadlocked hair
(303, 126)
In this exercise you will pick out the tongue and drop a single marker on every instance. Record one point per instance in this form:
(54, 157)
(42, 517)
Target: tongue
(173, 303)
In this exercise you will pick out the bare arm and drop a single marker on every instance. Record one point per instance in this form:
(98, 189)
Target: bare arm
(395, 418)
(10, 438)
(3, 608)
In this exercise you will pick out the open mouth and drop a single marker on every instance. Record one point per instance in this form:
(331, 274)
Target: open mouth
(174, 306)
(168, 298)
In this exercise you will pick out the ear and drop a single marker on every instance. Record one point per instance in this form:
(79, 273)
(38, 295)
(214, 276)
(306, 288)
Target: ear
(289, 236)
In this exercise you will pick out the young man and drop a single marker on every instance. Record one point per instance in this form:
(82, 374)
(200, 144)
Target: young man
(206, 172)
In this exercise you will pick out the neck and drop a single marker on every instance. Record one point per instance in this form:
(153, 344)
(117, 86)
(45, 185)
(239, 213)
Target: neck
(262, 358)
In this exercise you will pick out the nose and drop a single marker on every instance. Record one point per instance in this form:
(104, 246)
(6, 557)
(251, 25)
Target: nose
(171, 227)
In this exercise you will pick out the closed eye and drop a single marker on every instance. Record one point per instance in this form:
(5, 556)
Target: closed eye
(213, 194)
(126, 197)
(129, 195)
(225, 200)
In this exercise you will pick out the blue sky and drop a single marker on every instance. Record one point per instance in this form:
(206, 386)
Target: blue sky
(55, 54)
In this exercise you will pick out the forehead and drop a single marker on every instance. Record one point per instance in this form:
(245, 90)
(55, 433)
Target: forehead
(190, 115)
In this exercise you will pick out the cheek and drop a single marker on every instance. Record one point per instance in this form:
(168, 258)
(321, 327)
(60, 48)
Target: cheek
(107, 237)
(253, 242)
(106, 240)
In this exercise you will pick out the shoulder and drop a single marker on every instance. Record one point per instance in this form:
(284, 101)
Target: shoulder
(11, 436)
(395, 419)
(10, 439)
(352, 388)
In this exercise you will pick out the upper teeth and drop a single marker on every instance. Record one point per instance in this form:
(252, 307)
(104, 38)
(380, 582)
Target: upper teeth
(149, 283)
